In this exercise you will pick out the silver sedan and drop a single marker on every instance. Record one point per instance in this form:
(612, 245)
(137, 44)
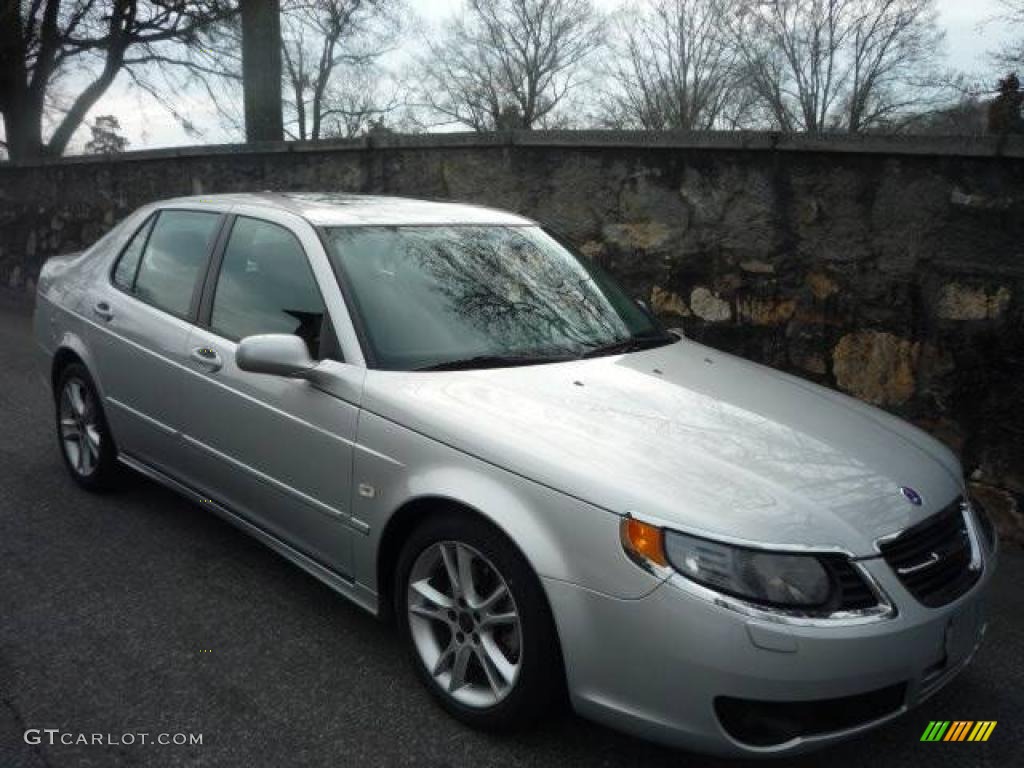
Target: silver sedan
(453, 420)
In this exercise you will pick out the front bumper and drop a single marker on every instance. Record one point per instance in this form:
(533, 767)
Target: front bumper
(656, 666)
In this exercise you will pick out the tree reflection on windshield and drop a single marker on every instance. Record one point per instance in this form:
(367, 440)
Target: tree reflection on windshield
(437, 294)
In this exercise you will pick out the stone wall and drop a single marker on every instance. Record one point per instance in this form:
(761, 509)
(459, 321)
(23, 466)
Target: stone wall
(892, 269)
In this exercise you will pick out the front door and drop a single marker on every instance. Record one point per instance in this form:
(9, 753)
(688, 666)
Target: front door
(274, 449)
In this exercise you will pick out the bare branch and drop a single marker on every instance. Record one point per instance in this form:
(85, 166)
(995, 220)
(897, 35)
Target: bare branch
(510, 63)
(1010, 57)
(674, 67)
(849, 65)
(50, 39)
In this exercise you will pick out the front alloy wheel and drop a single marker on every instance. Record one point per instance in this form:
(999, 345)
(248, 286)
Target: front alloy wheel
(464, 623)
(477, 622)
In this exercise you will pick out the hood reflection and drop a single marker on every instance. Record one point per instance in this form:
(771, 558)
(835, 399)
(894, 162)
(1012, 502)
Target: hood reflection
(730, 448)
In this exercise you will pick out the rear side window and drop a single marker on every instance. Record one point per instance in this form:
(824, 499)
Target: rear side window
(173, 257)
(266, 285)
(128, 264)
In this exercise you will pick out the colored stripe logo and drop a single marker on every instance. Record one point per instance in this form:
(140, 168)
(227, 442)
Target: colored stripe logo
(958, 730)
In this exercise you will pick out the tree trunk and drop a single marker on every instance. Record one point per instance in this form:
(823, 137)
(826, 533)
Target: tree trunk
(23, 127)
(300, 113)
(261, 69)
(85, 101)
(22, 119)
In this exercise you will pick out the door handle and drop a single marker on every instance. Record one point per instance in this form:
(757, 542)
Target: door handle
(206, 357)
(103, 311)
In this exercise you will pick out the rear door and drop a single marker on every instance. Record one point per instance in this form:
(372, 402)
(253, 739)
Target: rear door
(275, 449)
(141, 316)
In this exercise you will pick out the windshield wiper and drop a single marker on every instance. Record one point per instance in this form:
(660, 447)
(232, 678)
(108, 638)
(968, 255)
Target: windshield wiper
(495, 361)
(620, 346)
(629, 344)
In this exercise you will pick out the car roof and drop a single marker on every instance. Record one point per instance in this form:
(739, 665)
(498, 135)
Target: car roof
(328, 209)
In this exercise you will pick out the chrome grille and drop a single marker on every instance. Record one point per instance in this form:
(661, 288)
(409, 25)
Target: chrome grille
(934, 558)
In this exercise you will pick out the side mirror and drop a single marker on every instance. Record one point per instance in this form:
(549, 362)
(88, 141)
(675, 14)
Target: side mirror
(278, 354)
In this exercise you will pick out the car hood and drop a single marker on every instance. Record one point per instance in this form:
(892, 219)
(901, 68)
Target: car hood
(690, 437)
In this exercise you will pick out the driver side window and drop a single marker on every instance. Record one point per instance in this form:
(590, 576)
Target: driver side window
(266, 285)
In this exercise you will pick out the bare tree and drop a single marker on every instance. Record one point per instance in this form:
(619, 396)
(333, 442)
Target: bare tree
(45, 42)
(1011, 15)
(332, 79)
(360, 100)
(967, 116)
(846, 65)
(330, 52)
(893, 49)
(510, 63)
(674, 66)
(788, 48)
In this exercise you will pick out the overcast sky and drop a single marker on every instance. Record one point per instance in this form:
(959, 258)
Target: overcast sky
(147, 124)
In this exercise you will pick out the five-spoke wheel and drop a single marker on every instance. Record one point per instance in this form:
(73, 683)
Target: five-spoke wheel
(477, 622)
(79, 431)
(82, 430)
(464, 623)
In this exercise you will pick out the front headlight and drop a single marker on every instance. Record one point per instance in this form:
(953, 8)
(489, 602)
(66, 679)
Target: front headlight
(769, 578)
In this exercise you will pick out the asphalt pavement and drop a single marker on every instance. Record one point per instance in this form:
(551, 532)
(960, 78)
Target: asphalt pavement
(139, 612)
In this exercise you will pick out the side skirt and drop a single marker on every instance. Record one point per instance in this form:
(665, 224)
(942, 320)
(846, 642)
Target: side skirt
(344, 586)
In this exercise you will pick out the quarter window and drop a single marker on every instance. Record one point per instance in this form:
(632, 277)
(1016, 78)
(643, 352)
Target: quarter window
(173, 258)
(128, 264)
(266, 286)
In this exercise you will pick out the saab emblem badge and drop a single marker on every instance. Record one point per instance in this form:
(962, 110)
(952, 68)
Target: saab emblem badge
(911, 495)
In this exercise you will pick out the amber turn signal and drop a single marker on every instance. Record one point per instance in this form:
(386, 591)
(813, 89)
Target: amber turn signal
(643, 541)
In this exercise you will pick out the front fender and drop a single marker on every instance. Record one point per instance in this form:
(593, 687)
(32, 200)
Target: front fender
(561, 537)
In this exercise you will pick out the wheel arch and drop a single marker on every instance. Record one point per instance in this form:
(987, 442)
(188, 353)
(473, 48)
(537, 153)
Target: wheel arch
(104, 472)
(69, 346)
(404, 521)
(71, 349)
(62, 358)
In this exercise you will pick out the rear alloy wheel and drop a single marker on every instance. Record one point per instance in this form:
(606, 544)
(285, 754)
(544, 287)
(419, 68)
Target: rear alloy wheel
(82, 430)
(477, 623)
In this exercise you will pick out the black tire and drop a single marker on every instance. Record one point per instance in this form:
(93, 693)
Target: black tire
(101, 472)
(540, 683)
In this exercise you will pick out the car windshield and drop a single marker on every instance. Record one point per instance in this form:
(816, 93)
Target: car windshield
(435, 297)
